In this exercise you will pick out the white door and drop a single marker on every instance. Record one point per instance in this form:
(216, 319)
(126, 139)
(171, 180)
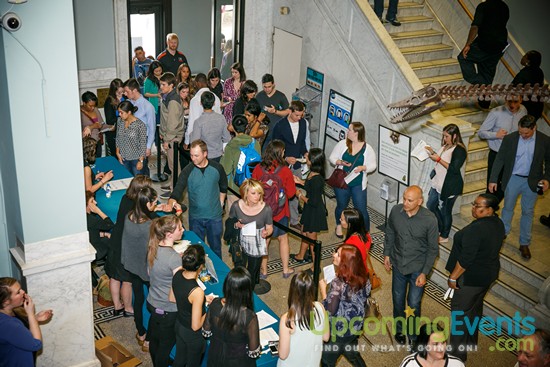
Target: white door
(287, 58)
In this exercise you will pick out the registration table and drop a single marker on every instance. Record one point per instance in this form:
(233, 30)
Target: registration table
(110, 207)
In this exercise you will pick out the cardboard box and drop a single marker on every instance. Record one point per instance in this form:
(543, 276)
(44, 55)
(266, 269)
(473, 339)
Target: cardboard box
(112, 354)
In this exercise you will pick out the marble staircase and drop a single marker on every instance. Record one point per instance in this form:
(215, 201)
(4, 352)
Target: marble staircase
(426, 47)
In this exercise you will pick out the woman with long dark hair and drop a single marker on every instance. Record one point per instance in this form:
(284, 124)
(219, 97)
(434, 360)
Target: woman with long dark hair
(256, 129)
(247, 92)
(184, 76)
(190, 300)
(135, 241)
(231, 90)
(354, 155)
(215, 83)
(447, 183)
(152, 84)
(162, 263)
(232, 325)
(131, 139)
(314, 219)
(300, 341)
(346, 298)
(19, 343)
(115, 96)
(89, 146)
(274, 168)
(356, 234)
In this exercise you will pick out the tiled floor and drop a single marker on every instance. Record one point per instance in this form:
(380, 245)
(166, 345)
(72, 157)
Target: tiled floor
(433, 306)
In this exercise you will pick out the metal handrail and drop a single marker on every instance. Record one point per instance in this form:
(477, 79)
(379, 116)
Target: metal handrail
(504, 62)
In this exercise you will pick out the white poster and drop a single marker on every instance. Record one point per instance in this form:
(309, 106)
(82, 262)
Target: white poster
(394, 151)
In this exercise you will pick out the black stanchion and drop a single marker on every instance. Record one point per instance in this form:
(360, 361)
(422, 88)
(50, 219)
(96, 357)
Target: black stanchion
(159, 176)
(175, 166)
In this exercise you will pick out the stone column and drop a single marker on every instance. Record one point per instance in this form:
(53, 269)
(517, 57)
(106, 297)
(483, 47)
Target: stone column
(541, 311)
(58, 277)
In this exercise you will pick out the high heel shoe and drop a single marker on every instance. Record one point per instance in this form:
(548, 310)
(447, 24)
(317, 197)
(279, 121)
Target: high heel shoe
(118, 312)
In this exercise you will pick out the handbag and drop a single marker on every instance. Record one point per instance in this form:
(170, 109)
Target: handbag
(375, 280)
(336, 180)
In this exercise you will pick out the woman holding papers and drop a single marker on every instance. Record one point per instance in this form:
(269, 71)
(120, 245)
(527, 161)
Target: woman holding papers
(447, 181)
(89, 147)
(357, 158)
(232, 325)
(131, 139)
(255, 220)
(301, 342)
(345, 301)
(162, 263)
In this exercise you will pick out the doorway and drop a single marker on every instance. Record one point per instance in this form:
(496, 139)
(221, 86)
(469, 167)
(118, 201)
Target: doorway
(287, 58)
(228, 34)
(148, 23)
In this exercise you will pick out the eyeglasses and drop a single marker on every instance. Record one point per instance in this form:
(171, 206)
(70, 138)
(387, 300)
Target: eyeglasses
(475, 205)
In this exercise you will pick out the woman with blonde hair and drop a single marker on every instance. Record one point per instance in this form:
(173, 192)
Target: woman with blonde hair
(252, 208)
(162, 263)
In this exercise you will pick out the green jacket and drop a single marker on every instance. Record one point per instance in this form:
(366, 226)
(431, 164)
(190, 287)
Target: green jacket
(231, 155)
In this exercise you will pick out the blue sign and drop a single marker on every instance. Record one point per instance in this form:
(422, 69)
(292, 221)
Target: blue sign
(340, 109)
(315, 79)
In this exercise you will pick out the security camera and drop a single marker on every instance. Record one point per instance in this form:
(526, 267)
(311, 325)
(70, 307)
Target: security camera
(11, 22)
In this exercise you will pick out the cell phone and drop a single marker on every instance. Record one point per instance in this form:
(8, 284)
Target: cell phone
(274, 348)
(265, 108)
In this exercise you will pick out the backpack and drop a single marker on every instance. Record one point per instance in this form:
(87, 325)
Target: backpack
(274, 193)
(248, 159)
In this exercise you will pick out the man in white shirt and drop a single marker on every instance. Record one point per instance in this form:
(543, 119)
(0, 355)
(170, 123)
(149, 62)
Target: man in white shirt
(195, 107)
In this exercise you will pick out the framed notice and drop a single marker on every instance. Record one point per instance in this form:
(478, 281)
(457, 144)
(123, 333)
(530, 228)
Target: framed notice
(315, 79)
(339, 114)
(394, 152)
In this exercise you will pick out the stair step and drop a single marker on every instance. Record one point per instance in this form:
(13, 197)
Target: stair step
(410, 8)
(447, 79)
(417, 38)
(468, 113)
(427, 52)
(474, 187)
(411, 23)
(472, 166)
(426, 69)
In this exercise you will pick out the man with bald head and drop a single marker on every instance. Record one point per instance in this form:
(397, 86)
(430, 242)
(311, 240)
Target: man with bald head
(534, 350)
(410, 250)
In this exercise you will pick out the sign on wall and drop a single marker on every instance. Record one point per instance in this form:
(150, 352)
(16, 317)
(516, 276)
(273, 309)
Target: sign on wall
(394, 151)
(339, 114)
(315, 79)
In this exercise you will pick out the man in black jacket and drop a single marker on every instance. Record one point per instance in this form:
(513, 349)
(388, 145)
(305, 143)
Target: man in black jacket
(524, 158)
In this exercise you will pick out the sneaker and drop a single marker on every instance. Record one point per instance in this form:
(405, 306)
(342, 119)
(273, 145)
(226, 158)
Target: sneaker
(394, 22)
(165, 195)
(382, 20)
(166, 188)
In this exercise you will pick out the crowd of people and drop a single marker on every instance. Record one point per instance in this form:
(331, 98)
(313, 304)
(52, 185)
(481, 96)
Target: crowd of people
(251, 154)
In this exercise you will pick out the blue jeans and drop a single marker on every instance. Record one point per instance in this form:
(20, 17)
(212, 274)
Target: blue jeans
(131, 166)
(359, 197)
(212, 228)
(414, 299)
(443, 213)
(518, 186)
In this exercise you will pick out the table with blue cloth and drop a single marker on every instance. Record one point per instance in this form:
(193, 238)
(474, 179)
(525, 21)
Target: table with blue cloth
(110, 207)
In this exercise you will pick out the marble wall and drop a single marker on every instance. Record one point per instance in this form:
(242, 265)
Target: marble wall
(358, 57)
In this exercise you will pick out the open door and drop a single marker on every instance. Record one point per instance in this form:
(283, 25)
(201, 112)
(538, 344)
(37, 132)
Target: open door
(287, 59)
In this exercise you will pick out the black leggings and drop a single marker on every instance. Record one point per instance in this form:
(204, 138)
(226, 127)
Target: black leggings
(253, 266)
(139, 300)
(161, 336)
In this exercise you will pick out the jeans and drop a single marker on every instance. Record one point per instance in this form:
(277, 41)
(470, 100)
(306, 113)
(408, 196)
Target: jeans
(190, 346)
(414, 299)
(139, 300)
(161, 336)
(359, 197)
(131, 166)
(348, 346)
(443, 213)
(294, 202)
(391, 14)
(486, 65)
(518, 186)
(212, 228)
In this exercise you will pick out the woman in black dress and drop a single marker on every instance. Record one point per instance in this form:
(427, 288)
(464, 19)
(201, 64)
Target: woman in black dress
(116, 95)
(120, 280)
(314, 218)
(232, 325)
